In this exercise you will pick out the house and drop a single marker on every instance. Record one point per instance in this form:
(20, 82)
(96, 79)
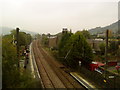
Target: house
(94, 43)
(53, 41)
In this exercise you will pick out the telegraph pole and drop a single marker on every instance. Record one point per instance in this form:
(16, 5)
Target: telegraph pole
(17, 37)
(106, 52)
(106, 49)
(106, 61)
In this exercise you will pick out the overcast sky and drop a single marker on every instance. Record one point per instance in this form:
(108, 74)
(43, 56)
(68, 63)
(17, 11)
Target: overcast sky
(50, 16)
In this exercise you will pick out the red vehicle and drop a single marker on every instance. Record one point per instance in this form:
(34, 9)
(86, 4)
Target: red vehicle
(112, 63)
(95, 65)
(117, 67)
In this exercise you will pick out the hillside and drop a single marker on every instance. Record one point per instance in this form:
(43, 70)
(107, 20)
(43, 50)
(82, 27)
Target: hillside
(6, 30)
(113, 27)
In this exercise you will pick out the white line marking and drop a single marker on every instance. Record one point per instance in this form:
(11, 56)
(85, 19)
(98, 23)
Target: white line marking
(31, 64)
(79, 81)
(33, 60)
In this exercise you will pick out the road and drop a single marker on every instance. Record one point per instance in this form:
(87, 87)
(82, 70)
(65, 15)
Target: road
(52, 72)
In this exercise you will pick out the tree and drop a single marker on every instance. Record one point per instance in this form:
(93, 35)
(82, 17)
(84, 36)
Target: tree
(102, 48)
(38, 36)
(86, 34)
(74, 49)
(64, 40)
(9, 62)
(24, 39)
(11, 75)
(28, 39)
(113, 47)
(118, 53)
(45, 40)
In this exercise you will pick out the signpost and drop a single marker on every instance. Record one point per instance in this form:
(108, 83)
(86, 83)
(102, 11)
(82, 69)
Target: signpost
(111, 76)
(79, 63)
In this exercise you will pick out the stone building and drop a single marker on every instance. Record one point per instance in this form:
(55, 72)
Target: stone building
(94, 43)
(53, 42)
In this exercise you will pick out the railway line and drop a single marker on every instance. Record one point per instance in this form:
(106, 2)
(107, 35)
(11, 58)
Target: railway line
(52, 72)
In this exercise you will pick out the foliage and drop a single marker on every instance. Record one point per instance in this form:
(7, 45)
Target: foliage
(38, 36)
(113, 47)
(24, 38)
(75, 48)
(45, 40)
(28, 39)
(86, 34)
(118, 53)
(8, 61)
(12, 77)
(102, 48)
(63, 42)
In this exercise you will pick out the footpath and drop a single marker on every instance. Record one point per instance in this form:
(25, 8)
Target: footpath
(29, 67)
(87, 84)
(32, 66)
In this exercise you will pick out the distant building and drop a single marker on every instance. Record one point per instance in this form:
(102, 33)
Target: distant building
(110, 34)
(94, 43)
(64, 30)
(55, 39)
(101, 35)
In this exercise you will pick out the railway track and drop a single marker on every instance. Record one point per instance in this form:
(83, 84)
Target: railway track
(52, 74)
(42, 71)
(49, 78)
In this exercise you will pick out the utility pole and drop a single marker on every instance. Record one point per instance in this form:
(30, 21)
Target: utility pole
(106, 52)
(106, 49)
(17, 37)
(106, 61)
